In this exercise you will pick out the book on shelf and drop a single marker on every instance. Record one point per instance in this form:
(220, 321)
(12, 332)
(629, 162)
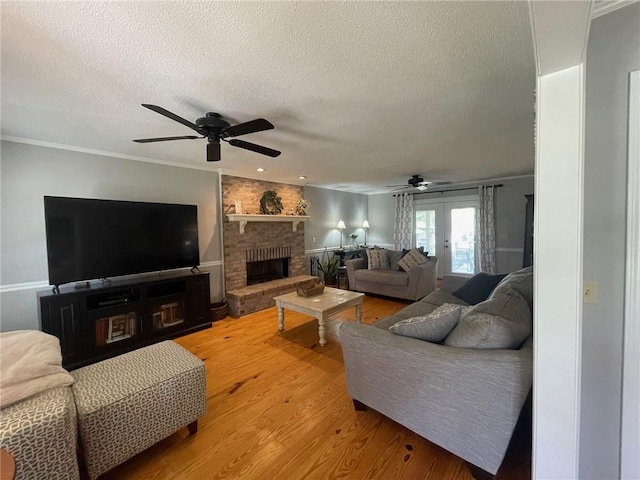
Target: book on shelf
(101, 331)
(119, 327)
(171, 314)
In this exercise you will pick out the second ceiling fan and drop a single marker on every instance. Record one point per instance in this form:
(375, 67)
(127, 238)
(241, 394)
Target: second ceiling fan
(215, 128)
(417, 182)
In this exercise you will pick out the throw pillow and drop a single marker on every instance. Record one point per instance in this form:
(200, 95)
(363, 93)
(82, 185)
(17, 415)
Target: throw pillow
(378, 259)
(478, 288)
(503, 321)
(412, 259)
(405, 251)
(433, 327)
(521, 281)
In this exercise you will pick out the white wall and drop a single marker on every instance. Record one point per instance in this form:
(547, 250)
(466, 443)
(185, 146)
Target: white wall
(558, 274)
(30, 172)
(613, 51)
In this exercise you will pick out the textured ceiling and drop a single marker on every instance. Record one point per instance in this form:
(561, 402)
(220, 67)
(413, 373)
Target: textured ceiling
(362, 94)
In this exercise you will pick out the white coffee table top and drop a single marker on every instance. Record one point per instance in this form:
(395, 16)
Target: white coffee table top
(329, 299)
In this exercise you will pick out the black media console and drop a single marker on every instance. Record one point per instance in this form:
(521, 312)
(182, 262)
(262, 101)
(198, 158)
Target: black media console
(112, 318)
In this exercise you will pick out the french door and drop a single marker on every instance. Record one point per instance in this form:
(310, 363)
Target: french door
(448, 231)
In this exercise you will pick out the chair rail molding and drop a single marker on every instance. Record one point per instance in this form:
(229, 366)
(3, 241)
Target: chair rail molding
(42, 284)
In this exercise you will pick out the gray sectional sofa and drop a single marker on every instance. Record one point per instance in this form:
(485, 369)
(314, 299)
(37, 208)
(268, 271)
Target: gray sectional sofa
(466, 400)
(393, 282)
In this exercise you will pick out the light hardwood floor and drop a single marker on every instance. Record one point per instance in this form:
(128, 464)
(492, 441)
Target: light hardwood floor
(278, 409)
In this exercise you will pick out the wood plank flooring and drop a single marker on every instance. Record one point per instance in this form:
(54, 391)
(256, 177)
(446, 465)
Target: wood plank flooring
(278, 409)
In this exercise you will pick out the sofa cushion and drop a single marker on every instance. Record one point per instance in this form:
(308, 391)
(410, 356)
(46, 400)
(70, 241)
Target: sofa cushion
(502, 321)
(521, 281)
(385, 277)
(478, 288)
(378, 259)
(432, 327)
(412, 259)
(394, 257)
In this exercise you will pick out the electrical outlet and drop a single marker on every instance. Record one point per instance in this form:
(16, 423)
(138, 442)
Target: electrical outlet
(590, 291)
(504, 236)
(313, 239)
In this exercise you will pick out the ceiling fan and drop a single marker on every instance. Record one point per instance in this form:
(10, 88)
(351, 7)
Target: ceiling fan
(417, 182)
(215, 128)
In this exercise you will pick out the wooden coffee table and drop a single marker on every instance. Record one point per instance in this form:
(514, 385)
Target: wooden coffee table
(320, 306)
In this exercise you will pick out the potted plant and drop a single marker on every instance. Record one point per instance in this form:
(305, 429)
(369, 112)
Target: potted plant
(353, 237)
(329, 268)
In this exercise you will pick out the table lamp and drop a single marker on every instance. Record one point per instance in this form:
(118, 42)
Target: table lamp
(365, 225)
(341, 226)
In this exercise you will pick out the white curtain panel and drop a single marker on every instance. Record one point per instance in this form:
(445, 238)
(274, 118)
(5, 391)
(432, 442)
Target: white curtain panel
(403, 229)
(486, 229)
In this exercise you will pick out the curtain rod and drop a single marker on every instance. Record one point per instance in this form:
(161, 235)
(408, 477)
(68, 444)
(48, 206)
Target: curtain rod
(454, 189)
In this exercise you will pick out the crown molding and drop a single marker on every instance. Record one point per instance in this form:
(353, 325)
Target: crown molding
(104, 153)
(607, 6)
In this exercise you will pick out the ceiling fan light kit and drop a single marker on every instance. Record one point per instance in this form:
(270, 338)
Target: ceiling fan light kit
(215, 128)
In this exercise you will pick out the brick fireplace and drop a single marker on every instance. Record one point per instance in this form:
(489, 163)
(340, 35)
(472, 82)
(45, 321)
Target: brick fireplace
(265, 244)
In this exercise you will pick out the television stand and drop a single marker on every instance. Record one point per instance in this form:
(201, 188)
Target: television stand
(109, 319)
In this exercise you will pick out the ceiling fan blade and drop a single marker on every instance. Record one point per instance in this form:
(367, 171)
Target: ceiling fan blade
(257, 125)
(254, 148)
(164, 139)
(172, 116)
(213, 152)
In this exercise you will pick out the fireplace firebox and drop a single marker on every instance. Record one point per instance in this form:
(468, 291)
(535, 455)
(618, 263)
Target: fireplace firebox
(267, 270)
(267, 264)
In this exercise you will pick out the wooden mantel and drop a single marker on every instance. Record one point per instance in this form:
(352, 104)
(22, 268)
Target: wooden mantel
(243, 219)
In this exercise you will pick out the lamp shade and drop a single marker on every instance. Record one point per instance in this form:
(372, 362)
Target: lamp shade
(365, 224)
(341, 225)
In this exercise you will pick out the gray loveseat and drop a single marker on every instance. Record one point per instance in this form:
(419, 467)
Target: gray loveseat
(465, 400)
(393, 282)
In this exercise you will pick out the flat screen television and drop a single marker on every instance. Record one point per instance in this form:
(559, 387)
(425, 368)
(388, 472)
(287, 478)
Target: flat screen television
(89, 239)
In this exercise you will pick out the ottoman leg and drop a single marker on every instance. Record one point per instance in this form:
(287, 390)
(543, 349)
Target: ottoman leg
(193, 427)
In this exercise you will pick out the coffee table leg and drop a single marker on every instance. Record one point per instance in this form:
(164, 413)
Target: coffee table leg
(359, 313)
(280, 318)
(321, 330)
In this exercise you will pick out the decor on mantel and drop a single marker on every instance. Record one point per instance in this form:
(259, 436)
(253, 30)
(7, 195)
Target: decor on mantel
(341, 226)
(244, 219)
(301, 207)
(270, 203)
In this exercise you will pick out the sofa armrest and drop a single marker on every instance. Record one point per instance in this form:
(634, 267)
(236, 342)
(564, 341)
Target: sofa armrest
(422, 278)
(467, 401)
(450, 283)
(353, 265)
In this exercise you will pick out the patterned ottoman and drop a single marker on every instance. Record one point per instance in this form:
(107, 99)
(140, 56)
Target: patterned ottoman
(127, 403)
(40, 432)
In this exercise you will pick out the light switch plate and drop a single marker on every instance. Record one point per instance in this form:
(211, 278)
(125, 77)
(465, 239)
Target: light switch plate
(590, 291)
